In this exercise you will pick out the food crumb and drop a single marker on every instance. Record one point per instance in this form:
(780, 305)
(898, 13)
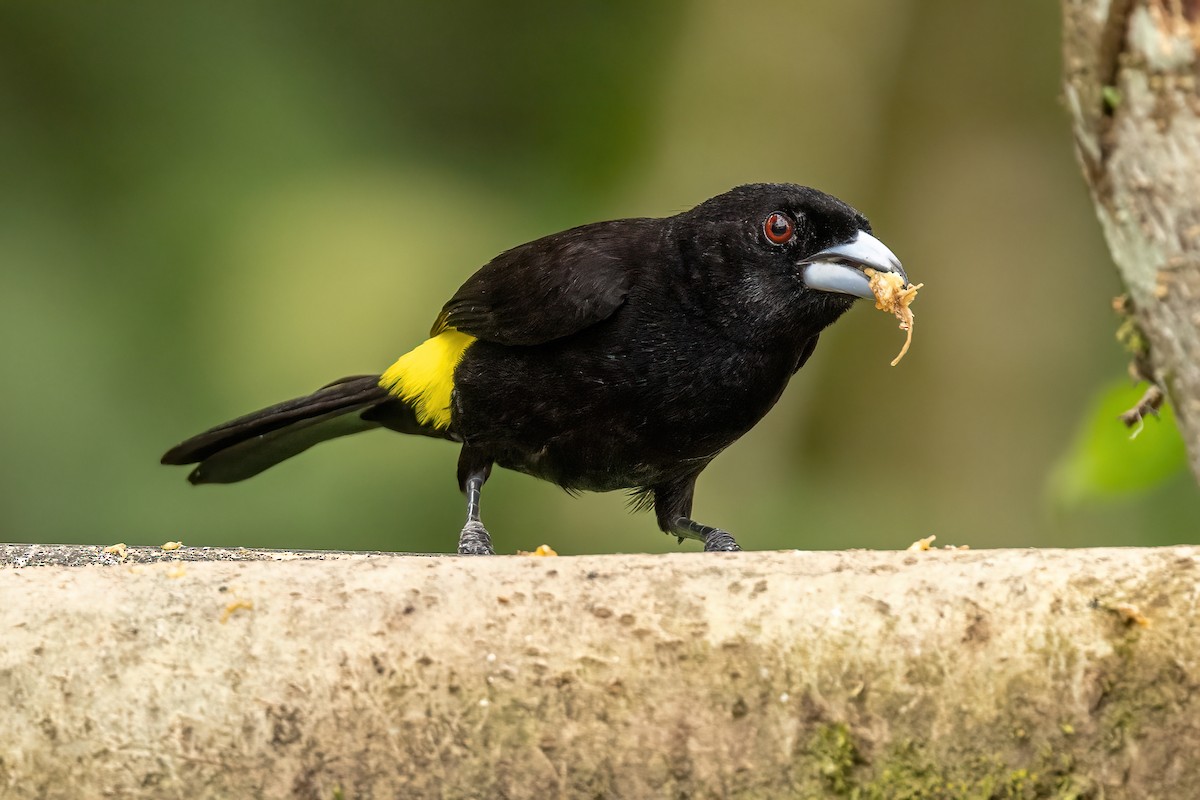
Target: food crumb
(1130, 614)
(921, 544)
(542, 550)
(234, 607)
(894, 296)
(172, 545)
(119, 550)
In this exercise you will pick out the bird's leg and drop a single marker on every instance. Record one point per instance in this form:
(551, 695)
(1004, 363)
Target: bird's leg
(715, 539)
(673, 507)
(474, 539)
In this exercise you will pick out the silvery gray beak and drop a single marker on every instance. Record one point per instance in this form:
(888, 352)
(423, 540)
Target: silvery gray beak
(840, 268)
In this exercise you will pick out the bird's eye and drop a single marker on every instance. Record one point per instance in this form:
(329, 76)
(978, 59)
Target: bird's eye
(778, 228)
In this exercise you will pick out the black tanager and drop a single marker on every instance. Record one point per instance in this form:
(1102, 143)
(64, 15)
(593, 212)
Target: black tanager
(618, 355)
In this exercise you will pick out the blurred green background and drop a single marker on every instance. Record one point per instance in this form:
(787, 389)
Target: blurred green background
(207, 208)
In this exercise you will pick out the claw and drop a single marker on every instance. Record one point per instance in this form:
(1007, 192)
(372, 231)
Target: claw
(721, 542)
(475, 540)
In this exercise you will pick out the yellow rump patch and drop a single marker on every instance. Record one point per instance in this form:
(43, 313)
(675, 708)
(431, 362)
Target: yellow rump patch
(424, 376)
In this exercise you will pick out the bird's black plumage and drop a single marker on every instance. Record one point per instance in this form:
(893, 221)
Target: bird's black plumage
(617, 355)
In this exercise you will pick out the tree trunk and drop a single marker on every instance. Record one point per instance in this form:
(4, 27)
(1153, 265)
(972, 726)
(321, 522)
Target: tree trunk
(940, 674)
(1130, 72)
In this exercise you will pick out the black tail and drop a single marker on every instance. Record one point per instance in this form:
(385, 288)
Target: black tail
(248, 445)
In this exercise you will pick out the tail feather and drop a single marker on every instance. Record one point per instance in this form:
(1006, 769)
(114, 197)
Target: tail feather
(249, 457)
(248, 445)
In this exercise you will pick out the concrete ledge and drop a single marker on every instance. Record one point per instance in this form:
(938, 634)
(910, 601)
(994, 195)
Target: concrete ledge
(1034, 673)
(82, 555)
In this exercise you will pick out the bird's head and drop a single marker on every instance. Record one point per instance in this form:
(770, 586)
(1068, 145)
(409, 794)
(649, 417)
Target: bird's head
(781, 256)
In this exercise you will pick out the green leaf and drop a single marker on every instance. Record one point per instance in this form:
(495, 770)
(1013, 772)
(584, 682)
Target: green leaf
(1107, 460)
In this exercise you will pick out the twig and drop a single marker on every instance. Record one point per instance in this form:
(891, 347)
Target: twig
(1151, 401)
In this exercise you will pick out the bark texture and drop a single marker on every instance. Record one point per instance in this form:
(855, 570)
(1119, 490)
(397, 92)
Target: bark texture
(1131, 71)
(980, 674)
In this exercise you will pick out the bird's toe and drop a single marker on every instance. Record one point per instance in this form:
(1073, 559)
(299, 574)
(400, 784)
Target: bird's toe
(475, 540)
(720, 542)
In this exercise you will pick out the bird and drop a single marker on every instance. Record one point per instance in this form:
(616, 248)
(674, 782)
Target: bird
(617, 355)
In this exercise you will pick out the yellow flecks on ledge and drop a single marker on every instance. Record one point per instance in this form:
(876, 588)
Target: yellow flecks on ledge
(921, 544)
(1131, 614)
(119, 550)
(172, 545)
(542, 550)
(424, 376)
(234, 607)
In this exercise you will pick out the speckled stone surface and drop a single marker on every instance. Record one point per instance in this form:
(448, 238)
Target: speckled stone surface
(81, 555)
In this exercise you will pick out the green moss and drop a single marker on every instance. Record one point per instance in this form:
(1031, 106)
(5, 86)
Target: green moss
(908, 775)
(1131, 338)
(909, 771)
(835, 754)
(1008, 749)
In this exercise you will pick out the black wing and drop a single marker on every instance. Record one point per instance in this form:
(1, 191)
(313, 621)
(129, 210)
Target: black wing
(551, 287)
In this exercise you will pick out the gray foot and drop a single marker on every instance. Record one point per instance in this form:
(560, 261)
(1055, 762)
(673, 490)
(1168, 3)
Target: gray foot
(475, 541)
(721, 542)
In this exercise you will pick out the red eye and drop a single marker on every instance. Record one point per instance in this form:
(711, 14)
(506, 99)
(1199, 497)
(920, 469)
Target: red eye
(778, 228)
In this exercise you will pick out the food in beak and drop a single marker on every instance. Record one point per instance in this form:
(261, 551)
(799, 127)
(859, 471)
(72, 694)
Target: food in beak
(893, 295)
